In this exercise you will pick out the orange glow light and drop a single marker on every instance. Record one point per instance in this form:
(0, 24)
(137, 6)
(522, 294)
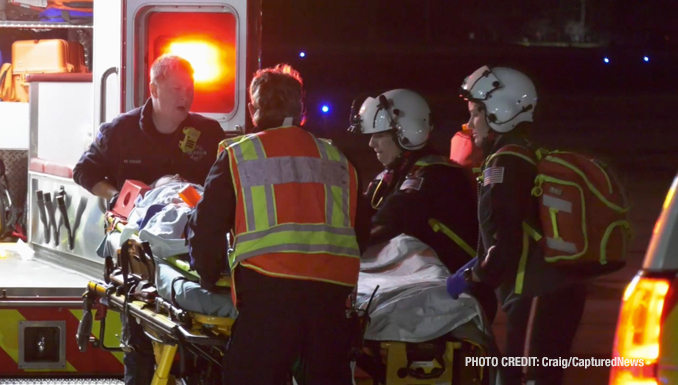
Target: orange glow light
(203, 56)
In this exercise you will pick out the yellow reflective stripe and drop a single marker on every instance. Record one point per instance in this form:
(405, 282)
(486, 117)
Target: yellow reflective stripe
(603, 244)
(9, 332)
(607, 177)
(588, 183)
(260, 213)
(9, 339)
(527, 158)
(304, 242)
(298, 238)
(332, 152)
(339, 199)
(531, 232)
(520, 276)
(231, 167)
(296, 227)
(430, 160)
(272, 274)
(436, 225)
(554, 222)
(544, 178)
(335, 214)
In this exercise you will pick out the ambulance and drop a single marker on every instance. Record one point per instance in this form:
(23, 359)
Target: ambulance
(64, 89)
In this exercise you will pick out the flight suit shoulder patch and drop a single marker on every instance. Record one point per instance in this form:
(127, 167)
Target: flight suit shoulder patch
(493, 175)
(412, 183)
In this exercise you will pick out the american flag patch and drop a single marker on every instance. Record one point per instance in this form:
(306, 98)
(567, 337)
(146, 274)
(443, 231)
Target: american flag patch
(413, 183)
(493, 175)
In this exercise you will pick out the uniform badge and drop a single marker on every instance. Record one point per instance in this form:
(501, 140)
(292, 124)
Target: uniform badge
(493, 175)
(190, 139)
(412, 183)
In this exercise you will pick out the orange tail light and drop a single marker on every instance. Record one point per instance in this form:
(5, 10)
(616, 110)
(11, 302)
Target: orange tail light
(638, 331)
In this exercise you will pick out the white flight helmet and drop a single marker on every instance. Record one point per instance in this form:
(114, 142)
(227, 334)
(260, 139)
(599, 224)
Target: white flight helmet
(509, 96)
(401, 110)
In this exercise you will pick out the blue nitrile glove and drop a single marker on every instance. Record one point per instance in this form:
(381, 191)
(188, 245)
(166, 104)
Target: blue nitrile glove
(456, 283)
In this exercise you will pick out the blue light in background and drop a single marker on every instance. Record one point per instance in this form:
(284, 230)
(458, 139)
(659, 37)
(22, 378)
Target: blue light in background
(647, 59)
(325, 108)
(606, 60)
(302, 54)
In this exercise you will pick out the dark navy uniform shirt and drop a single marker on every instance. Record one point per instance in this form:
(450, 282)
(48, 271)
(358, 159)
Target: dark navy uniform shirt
(130, 147)
(411, 195)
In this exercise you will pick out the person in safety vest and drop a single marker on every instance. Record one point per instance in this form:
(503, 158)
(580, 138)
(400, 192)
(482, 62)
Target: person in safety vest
(291, 200)
(543, 305)
(146, 144)
(420, 192)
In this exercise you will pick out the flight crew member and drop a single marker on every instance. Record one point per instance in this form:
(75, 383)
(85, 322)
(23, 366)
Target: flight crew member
(420, 192)
(543, 304)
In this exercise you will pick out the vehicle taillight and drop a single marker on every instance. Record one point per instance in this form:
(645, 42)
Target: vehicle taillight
(638, 331)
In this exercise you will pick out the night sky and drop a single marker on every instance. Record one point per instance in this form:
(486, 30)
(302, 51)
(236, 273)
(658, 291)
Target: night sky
(450, 21)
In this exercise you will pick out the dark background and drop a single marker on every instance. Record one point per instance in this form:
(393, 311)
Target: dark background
(622, 110)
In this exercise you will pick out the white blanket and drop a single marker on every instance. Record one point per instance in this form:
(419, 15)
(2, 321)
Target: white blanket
(412, 304)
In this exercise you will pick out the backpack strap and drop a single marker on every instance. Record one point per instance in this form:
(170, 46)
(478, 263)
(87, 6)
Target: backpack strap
(519, 151)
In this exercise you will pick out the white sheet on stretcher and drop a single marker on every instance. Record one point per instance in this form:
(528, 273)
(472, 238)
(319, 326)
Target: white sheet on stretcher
(412, 304)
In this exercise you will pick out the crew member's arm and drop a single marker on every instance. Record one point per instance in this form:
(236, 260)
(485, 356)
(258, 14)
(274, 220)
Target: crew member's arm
(93, 171)
(212, 219)
(362, 219)
(510, 199)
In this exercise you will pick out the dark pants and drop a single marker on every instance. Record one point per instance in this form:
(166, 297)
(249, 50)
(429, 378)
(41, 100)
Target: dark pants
(282, 320)
(487, 299)
(140, 363)
(553, 328)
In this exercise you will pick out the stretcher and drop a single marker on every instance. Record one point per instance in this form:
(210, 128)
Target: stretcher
(407, 329)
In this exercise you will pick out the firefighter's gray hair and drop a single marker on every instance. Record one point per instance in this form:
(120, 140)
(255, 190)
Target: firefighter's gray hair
(167, 63)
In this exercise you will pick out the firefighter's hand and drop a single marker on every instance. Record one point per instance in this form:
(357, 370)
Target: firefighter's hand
(209, 283)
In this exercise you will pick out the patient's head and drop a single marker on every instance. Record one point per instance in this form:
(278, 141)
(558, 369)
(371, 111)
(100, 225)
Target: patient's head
(167, 179)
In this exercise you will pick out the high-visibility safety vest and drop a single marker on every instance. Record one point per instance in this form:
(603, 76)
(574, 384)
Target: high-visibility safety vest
(296, 199)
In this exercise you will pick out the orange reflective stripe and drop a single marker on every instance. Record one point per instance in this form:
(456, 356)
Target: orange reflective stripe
(344, 272)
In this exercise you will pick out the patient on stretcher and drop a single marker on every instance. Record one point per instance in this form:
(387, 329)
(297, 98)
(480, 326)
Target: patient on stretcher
(160, 217)
(411, 305)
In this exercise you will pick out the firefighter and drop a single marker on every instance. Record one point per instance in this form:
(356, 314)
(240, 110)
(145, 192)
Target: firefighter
(543, 305)
(158, 139)
(420, 192)
(145, 144)
(291, 201)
